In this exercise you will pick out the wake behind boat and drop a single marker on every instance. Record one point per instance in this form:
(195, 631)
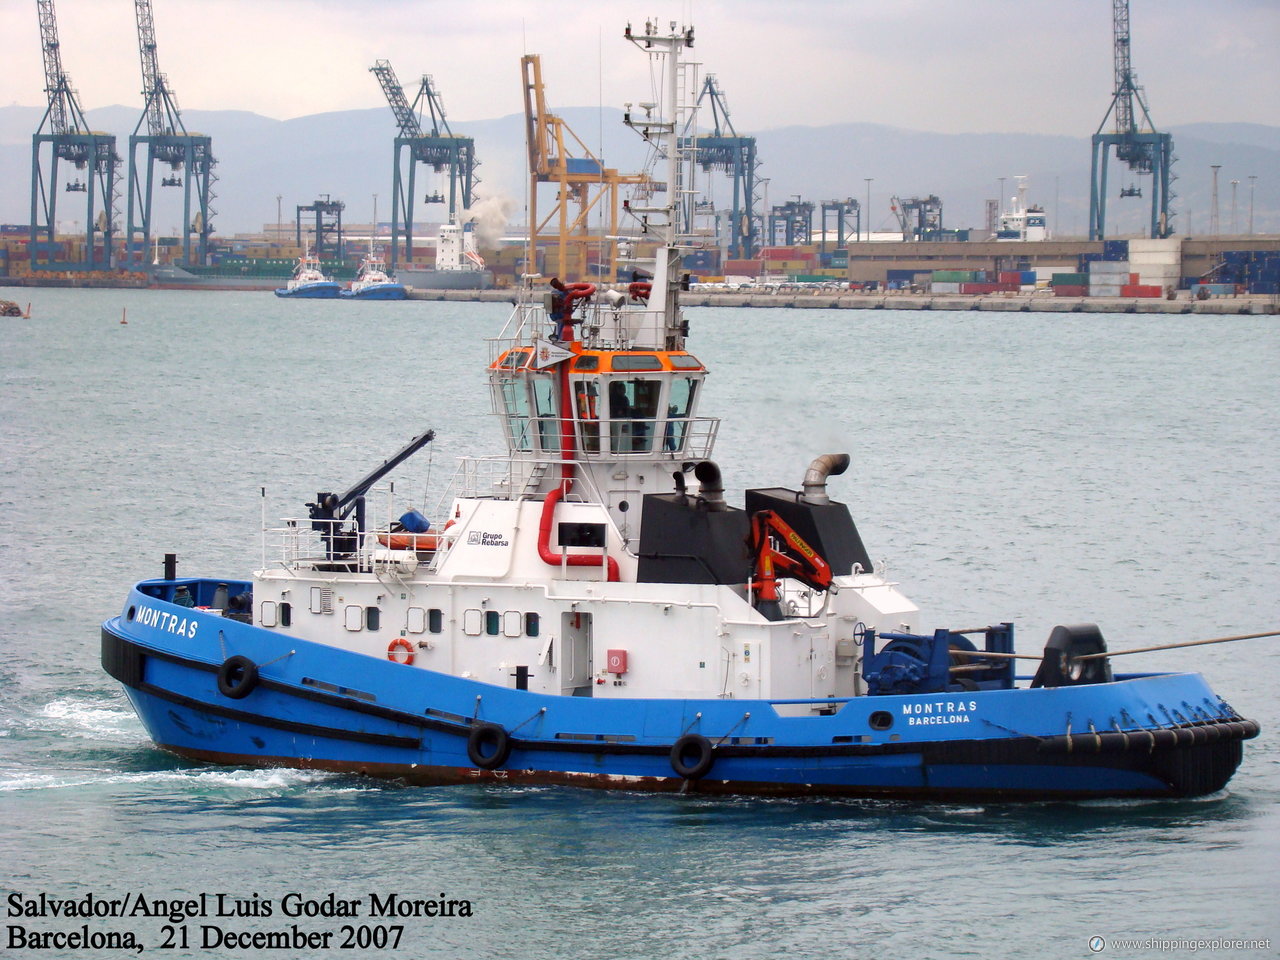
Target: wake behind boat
(589, 609)
(309, 282)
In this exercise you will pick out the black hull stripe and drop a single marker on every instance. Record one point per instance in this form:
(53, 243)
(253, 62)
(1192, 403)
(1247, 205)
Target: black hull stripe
(290, 726)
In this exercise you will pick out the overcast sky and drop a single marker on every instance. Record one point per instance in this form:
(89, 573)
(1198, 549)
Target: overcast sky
(1041, 66)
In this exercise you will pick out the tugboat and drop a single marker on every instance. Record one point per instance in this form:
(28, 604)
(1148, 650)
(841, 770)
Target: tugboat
(309, 282)
(588, 609)
(372, 283)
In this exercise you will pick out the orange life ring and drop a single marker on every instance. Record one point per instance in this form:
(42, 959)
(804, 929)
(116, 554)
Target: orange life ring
(400, 643)
(409, 541)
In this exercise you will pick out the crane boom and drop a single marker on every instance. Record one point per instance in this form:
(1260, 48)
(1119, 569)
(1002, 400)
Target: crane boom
(162, 110)
(405, 117)
(65, 115)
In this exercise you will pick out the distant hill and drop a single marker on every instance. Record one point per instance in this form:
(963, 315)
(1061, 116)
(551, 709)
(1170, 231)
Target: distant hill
(349, 156)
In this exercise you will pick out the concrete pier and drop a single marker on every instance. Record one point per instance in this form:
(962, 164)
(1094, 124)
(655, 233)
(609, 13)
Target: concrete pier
(847, 300)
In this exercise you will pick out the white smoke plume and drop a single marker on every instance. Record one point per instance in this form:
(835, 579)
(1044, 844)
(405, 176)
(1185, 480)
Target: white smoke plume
(490, 213)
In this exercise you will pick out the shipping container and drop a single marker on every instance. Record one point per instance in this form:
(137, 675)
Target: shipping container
(1070, 290)
(1108, 268)
(1141, 290)
(1115, 250)
(1069, 279)
(1265, 287)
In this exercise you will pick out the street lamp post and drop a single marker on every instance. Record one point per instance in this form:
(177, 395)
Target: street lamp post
(868, 179)
(1252, 180)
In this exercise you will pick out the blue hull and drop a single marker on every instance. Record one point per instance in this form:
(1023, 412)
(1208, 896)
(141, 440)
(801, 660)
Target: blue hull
(314, 706)
(328, 290)
(388, 291)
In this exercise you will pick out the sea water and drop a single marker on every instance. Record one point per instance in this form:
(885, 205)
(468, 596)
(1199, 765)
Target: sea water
(1040, 468)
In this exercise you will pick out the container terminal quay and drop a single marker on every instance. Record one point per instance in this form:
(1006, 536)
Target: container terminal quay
(1223, 275)
(96, 214)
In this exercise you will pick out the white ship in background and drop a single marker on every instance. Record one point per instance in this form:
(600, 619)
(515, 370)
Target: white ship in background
(459, 265)
(1023, 222)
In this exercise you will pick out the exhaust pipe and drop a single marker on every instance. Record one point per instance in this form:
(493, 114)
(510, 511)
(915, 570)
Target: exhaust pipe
(711, 488)
(815, 478)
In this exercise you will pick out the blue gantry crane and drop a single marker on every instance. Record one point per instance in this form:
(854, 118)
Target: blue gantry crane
(1140, 146)
(725, 151)
(189, 157)
(64, 135)
(839, 213)
(791, 223)
(326, 239)
(438, 147)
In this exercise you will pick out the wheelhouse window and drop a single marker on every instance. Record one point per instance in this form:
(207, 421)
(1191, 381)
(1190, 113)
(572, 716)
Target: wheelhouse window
(586, 395)
(515, 407)
(679, 404)
(633, 413)
(546, 409)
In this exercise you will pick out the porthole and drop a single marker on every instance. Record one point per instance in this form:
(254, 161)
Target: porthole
(492, 622)
(286, 614)
(133, 612)
(880, 720)
(435, 620)
(531, 624)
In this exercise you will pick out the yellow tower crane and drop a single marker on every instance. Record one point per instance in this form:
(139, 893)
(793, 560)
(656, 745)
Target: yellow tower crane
(557, 156)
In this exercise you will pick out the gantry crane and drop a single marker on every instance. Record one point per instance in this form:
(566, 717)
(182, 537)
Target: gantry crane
(64, 134)
(919, 217)
(841, 210)
(438, 147)
(725, 151)
(1140, 146)
(328, 214)
(189, 157)
(557, 156)
(795, 220)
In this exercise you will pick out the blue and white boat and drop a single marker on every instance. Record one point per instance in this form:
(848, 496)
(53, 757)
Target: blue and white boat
(309, 282)
(373, 283)
(588, 609)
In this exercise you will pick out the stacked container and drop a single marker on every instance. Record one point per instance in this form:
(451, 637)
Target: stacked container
(1158, 263)
(1107, 278)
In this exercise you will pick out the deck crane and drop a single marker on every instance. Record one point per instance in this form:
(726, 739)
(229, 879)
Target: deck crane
(724, 150)
(582, 182)
(64, 135)
(1140, 146)
(919, 217)
(189, 157)
(439, 147)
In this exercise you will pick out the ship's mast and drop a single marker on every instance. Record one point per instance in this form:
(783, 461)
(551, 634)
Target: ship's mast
(661, 133)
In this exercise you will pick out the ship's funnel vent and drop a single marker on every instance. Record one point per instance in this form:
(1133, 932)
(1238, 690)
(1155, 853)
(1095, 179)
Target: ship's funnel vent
(815, 478)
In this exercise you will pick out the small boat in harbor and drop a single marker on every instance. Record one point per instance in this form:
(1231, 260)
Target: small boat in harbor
(589, 609)
(309, 282)
(373, 283)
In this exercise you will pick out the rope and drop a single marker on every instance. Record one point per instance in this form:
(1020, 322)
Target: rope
(1173, 646)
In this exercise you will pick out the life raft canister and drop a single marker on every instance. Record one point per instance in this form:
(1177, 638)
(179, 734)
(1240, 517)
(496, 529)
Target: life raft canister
(400, 643)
